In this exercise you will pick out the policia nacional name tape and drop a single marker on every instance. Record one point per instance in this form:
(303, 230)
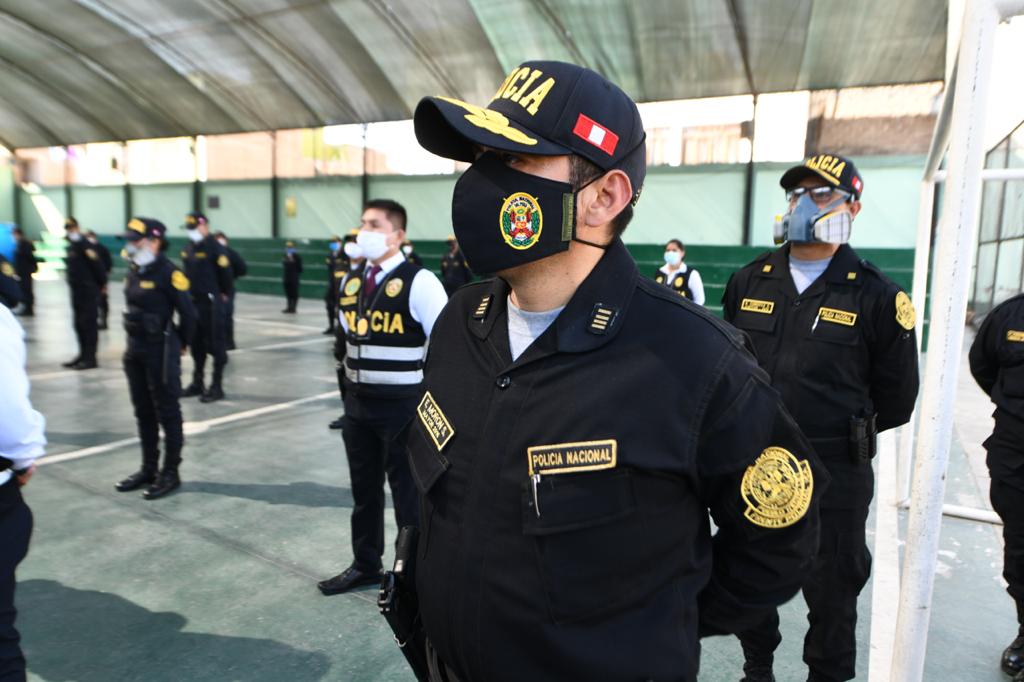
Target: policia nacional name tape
(566, 458)
(777, 489)
(436, 424)
(843, 317)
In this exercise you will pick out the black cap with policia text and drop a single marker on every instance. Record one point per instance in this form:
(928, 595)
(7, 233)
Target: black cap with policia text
(836, 170)
(545, 108)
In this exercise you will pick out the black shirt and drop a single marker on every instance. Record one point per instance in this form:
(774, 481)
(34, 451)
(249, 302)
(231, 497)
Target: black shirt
(151, 295)
(610, 570)
(208, 269)
(997, 364)
(844, 347)
(84, 268)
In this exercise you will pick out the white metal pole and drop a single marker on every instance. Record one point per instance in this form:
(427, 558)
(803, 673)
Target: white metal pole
(945, 337)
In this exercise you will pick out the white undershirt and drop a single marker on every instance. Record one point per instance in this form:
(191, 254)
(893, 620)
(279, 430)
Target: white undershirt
(22, 429)
(524, 327)
(804, 272)
(696, 283)
(426, 294)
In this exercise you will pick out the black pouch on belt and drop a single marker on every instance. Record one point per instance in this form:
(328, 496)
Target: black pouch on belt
(398, 603)
(863, 437)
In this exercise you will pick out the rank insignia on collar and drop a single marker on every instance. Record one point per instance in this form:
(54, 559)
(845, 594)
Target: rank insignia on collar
(851, 276)
(767, 268)
(601, 319)
(481, 310)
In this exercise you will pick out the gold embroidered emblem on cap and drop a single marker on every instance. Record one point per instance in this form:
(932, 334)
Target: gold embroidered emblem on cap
(492, 121)
(567, 458)
(352, 286)
(179, 281)
(512, 90)
(753, 305)
(1015, 336)
(777, 488)
(434, 421)
(836, 316)
(905, 314)
(393, 288)
(828, 166)
(137, 225)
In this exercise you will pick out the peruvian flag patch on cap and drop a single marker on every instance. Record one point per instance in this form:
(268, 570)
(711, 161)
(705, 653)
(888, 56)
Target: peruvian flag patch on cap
(596, 134)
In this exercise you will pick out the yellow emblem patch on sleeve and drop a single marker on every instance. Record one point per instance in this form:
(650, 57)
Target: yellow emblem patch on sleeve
(434, 421)
(91, 254)
(179, 281)
(393, 288)
(906, 317)
(6, 268)
(777, 488)
(223, 261)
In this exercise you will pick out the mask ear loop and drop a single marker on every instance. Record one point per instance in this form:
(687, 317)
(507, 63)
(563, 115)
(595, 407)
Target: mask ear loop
(632, 201)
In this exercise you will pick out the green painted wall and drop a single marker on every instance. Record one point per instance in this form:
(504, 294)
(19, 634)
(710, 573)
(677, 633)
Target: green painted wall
(99, 208)
(166, 203)
(323, 206)
(427, 199)
(244, 207)
(697, 204)
(47, 205)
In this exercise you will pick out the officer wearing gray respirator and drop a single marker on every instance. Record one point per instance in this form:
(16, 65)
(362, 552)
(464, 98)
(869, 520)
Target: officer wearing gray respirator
(837, 338)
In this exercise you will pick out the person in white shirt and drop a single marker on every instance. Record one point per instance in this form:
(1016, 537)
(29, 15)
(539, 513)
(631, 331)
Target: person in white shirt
(21, 442)
(677, 276)
(387, 311)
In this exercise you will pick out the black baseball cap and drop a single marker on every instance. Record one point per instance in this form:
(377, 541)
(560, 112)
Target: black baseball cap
(837, 170)
(144, 228)
(70, 223)
(546, 108)
(193, 219)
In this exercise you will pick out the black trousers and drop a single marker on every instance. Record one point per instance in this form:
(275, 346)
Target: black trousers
(374, 432)
(209, 340)
(84, 304)
(28, 297)
(229, 321)
(291, 292)
(1007, 495)
(331, 305)
(840, 572)
(15, 531)
(103, 308)
(154, 383)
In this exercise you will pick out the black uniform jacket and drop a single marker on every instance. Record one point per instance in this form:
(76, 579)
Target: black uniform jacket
(997, 363)
(208, 269)
(84, 267)
(609, 570)
(239, 268)
(292, 267)
(152, 294)
(25, 262)
(844, 347)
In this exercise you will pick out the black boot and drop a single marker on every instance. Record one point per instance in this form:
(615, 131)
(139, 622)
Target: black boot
(166, 482)
(85, 363)
(212, 394)
(71, 363)
(140, 478)
(337, 423)
(1013, 657)
(193, 389)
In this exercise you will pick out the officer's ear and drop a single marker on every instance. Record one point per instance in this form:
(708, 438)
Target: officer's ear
(602, 201)
(854, 208)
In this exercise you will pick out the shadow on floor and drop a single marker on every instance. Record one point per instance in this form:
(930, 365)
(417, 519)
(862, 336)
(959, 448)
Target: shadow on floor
(299, 494)
(88, 636)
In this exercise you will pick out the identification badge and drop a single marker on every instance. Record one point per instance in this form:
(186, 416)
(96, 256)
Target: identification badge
(437, 425)
(568, 458)
(1015, 336)
(843, 317)
(753, 305)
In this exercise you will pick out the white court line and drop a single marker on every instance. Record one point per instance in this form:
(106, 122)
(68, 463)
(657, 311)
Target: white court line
(284, 344)
(269, 323)
(190, 428)
(71, 372)
(885, 587)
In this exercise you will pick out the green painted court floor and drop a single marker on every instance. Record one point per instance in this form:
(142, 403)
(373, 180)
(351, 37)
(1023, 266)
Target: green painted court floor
(217, 582)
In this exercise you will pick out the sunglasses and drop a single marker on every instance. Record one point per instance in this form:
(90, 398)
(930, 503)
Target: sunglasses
(820, 195)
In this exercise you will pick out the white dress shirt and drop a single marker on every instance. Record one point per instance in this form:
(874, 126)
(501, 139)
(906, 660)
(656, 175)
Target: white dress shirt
(696, 283)
(426, 295)
(21, 427)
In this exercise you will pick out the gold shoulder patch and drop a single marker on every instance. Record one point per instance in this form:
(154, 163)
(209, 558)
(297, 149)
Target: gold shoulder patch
(6, 268)
(753, 305)
(393, 288)
(777, 488)
(223, 261)
(91, 254)
(905, 315)
(179, 281)
(1012, 335)
(434, 421)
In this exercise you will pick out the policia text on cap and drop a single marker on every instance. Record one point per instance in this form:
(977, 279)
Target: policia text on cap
(567, 454)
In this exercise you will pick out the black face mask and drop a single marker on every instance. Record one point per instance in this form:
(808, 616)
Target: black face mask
(504, 218)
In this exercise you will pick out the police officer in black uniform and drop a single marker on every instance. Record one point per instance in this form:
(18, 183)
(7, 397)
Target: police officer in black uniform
(108, 265)
(353, 262)
(454, 269)
(209, 273)
(336, 269)
(387, 311)
(239, 269)
(154, 290)
(291, 264)
(410, 253)
(566, 452)
(10, 287)
(997, 363)
(25, 265)
(837, 338)
(86, 275)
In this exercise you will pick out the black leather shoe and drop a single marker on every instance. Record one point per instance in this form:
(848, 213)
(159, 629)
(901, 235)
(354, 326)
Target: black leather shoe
(71, 363)
(1013, 657)
(192, 390)
(166, 482)
(351, 578)
(231, 346)
(212, 394)
(85, 364)
(135, 481)
(328, 332)
(337, 423)
(758, 670)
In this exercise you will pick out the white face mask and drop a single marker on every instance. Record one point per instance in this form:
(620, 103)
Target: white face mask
(353, 251)
(143, 257)
(75, 236)
(406, 250)
(373, 244)
(130, 249)
(673, 257)
(222, 242)
(195, 236)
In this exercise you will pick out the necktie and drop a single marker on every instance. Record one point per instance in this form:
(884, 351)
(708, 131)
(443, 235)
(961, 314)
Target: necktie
(371, 281)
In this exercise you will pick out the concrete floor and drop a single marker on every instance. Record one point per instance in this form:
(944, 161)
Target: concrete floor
(217, 582)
